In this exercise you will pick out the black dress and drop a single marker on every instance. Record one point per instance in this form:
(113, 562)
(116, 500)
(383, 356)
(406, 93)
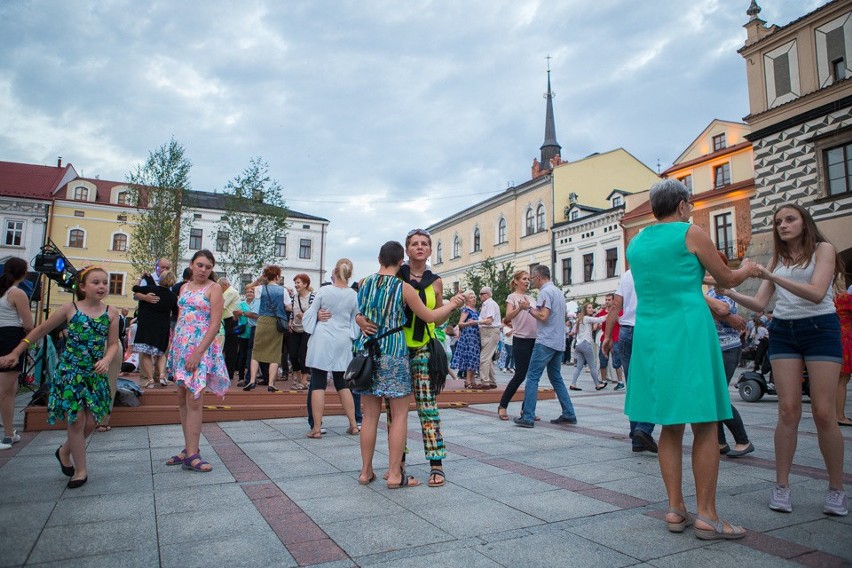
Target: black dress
(154, 321)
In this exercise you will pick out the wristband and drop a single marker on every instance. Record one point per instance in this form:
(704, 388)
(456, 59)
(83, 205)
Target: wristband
(28, 342)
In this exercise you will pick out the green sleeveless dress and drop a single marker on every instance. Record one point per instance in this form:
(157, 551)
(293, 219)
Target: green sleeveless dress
(676, 370)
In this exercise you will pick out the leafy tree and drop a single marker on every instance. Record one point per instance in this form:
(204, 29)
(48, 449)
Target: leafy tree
(498, 278)
(255, 217)
(157, 187)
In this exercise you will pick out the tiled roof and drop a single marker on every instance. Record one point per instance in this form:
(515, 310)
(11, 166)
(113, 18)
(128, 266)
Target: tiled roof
(706, 158)
(28, 180)
(645, 208)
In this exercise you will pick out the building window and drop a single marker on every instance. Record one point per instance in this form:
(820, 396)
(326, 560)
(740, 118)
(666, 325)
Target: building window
(529, 222)
(838, 163)
(79, 213)
(566, 271)
(501, 231)
(439, 253)
(223, 239)
(456, 247)
(611, 262)
(723, 229)
(119, 242)
(722, 175)
(245, 279)
(305, 248)
(539, 218)
(281, 246)
(833, 50)
(14, 233)
(116, 284)
(687, 181)
(121, 198)
(617, 201)
(477, 246)
(195, 237)
(588, 267)
(575, 214)
(196, 216)
(719, 142)
(781, 67)
(81, 193)
(76, 238)
(248, 244)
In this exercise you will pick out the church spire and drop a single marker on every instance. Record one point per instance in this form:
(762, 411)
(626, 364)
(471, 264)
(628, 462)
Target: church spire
(551, 148)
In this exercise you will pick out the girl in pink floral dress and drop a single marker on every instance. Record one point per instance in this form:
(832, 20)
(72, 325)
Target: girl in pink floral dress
(195, 359)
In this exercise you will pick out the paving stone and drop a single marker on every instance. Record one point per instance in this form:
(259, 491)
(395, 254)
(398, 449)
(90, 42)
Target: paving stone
(102, 508)
(541, 551)
(388, 532)
(467, 557)
(199, 497)
(19, 532)
(234, 551)
(353, 505)
(209, 524)
(826, 534)
(472, 518)
(79, 540)
(723, 555)
(557, 505)
(142, 557)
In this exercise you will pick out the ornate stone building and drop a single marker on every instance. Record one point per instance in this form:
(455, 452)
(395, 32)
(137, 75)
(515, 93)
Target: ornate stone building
(800, 103)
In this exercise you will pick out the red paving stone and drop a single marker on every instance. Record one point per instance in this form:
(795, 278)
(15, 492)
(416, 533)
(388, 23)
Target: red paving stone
(303, 538)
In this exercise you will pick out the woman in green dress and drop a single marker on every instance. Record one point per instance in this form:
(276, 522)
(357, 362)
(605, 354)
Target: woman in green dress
(676, 374)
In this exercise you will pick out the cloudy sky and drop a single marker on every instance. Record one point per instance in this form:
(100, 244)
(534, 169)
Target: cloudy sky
(379, 115)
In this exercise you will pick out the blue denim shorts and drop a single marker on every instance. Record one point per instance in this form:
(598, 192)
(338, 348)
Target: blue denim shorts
(811, 339)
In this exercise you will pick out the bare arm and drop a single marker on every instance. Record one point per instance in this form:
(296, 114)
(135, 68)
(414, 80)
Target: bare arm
(718, 308)
(611, 320)
(18, 298)
(412, 299)
(699, 243)
(758, 302)
(57, 318)
(102, 365)
(511, 311)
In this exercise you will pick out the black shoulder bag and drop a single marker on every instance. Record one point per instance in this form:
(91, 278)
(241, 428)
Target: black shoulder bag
(362, 369)
(439, 367)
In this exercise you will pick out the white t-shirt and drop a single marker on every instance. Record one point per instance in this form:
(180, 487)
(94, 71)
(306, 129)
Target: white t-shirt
(628, 294)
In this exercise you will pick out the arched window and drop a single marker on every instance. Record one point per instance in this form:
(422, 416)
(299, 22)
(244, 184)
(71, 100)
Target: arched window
(81, 193)
(477, 246)
(539, 218)
(121, 198)
(530, 222)
(456, 247)
(76, 238)
(439, 253)
(119, 242)
(501, 231)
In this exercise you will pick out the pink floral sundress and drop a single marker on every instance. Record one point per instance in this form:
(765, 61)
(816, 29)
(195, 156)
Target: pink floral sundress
(193, 322)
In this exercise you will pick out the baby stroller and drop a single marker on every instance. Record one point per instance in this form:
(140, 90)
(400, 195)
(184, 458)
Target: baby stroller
(754, 384)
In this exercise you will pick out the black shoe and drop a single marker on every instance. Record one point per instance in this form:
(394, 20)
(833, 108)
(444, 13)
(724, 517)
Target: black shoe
(272, 389)
(741, 453)
(724, 450)
(643, 442)
(523, 423)
(66, 469)
(249, 386)
(75, 483)
(563, 420)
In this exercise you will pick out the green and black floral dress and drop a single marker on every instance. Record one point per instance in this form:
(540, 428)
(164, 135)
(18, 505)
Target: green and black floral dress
(76, 386)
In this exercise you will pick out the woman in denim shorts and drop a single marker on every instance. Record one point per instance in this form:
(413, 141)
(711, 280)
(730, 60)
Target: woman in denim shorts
(804, 332)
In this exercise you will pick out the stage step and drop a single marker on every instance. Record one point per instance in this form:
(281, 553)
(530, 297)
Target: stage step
(158, 406)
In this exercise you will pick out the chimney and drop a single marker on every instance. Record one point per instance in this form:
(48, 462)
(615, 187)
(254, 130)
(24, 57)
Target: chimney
(59, 162)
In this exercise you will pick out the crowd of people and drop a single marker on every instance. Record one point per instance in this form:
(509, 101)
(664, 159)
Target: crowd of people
(201, 335)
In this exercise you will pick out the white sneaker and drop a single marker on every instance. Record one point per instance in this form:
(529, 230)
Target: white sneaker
(836, 503)
(7, 442)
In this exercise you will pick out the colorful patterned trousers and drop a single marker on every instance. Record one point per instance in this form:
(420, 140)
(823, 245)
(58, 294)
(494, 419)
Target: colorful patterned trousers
(427, 407)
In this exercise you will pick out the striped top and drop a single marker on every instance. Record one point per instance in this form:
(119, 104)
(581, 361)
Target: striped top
(376, 292)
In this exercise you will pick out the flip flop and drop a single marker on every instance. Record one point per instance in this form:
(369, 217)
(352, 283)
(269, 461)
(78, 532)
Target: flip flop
(354, 431)
(104, 428)
(844, 423)
(407, 481)
(440, 478)
(314, 435)
(369, 481)
(718, 530)
(680, 526)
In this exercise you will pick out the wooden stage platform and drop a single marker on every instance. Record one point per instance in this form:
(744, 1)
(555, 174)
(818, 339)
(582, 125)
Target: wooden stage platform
(158, 405)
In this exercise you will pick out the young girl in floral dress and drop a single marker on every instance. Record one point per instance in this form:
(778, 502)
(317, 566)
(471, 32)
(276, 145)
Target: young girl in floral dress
(195, 359)
(79, 393)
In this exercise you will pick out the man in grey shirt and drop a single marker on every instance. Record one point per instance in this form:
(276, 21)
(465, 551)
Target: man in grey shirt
(547, 351)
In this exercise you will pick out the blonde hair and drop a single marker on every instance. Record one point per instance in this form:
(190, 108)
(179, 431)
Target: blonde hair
(516, 278)
(343, 269)
(469, 293)
(167, 279)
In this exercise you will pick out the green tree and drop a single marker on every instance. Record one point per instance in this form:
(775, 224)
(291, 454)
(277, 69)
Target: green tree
(157, 188)
(255, 218)
(498, 278)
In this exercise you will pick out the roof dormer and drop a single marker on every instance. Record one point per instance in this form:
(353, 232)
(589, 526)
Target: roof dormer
(81, 190)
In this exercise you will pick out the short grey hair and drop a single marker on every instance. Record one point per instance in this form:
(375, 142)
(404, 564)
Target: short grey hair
(224, 281)
(486, 289)
(541, 270)
(665, 196)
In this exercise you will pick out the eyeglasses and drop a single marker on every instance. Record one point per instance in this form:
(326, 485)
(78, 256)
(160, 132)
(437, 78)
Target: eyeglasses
(413, 232)
(483, 293)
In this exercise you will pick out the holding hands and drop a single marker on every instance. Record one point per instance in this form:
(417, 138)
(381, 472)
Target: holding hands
(10, 360)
